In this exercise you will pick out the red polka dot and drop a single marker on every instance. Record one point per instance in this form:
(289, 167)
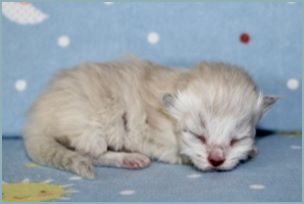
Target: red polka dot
(244, 38)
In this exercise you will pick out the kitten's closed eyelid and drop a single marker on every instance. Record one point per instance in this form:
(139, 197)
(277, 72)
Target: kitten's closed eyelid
(233, 142)
(193, 133)
(201, 137)
(186, 130)
(236, 140)
(189, 131)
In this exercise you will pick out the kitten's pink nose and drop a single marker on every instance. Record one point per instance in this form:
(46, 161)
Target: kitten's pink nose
(216, 159)
(215, 162)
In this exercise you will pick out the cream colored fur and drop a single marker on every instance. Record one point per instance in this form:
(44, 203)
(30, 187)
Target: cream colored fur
(126, 112)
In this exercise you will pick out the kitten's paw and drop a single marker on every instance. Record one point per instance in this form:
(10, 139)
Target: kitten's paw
(84, 168)
(135, 161)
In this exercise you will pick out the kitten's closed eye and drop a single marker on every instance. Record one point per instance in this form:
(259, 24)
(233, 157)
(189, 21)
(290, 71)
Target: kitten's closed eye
(201, 137)
(235, 141)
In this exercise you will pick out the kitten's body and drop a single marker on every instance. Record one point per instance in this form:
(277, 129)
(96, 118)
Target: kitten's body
(116, 113)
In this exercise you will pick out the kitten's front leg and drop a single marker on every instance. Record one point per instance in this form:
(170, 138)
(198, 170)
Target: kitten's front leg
(122, 160)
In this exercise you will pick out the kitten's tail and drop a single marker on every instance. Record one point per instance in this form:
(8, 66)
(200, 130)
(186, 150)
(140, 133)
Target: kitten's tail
(47, 151)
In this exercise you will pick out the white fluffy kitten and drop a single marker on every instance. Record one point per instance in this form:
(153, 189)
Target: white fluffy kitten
(125, 113)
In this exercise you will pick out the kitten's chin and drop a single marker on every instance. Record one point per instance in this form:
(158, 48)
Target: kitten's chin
(228, 165)
(205, 166)
(201, 164)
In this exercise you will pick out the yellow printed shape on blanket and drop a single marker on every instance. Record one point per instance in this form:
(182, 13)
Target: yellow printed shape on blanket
(31, 192)
(31, 165)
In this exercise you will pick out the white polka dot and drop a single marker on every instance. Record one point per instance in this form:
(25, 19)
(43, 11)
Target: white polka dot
(291, 2)
(63, 41)
(296, 147)
(108, 3)
(74, 178)
(127, 192)
(256, 186)
(194, 176)
(153, 38)
(20, 85)
(292, 84)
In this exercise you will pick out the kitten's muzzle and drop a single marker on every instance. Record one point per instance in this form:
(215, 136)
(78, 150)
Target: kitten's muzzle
(216, 157)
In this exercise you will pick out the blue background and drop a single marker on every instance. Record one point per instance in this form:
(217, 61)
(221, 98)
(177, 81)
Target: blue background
(189, 33)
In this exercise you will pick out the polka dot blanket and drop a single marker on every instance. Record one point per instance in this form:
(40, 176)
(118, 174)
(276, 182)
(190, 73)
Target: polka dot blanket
(273, 176)
(264, 37)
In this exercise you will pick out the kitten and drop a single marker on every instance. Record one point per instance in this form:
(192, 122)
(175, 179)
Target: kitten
(126, 112)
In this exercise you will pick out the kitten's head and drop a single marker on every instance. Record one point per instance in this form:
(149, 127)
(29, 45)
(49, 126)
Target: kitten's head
(216, 114)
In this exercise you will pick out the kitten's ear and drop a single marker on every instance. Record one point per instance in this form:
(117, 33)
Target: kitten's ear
(267, 102)
(168, 101)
